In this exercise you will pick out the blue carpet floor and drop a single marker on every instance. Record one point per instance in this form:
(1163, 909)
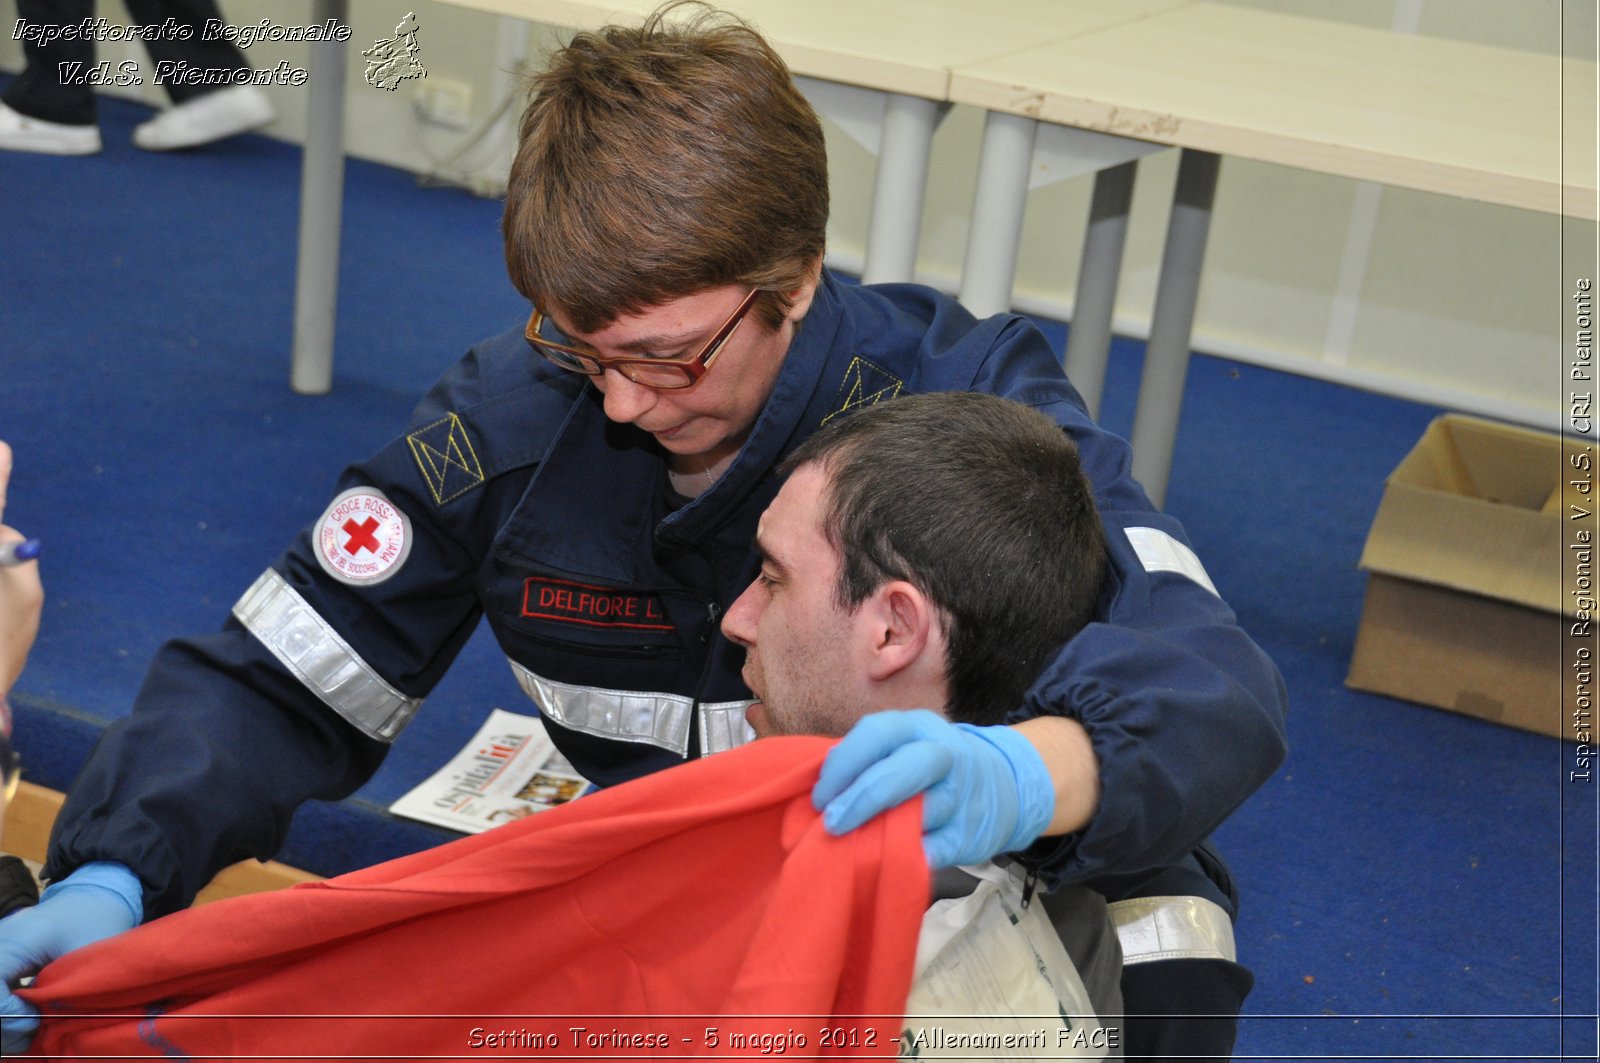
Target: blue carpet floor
(1416, 884)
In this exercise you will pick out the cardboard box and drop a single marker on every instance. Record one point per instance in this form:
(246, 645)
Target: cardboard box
(1465, 606)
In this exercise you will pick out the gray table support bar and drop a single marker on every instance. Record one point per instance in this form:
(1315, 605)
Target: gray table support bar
(1089, 337)
(316, 291)
(998, 205)
(1166, 360)
(899, 187)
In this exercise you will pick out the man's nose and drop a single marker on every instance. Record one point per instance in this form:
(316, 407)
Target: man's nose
(625, 401)
(738, 623)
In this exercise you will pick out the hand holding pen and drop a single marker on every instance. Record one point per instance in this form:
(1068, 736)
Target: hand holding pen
(18, 552)
(21, 594)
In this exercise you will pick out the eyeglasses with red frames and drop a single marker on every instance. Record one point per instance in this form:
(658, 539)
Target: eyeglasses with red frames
(663, 374)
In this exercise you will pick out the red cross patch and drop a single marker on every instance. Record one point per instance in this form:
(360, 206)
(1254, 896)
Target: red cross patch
(362, 538)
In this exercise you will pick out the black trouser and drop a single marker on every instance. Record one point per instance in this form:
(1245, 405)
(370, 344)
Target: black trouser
(17, 888)
(38, 91)
(1185, 1007)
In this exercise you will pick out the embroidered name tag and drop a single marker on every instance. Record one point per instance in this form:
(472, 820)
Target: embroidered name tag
(580, 603)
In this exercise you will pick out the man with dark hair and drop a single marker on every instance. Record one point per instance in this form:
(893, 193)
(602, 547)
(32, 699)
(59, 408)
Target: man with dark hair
(960, 529)
(923, 561)
(590, 483)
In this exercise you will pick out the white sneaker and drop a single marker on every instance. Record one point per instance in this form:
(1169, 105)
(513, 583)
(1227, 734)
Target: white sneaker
(224, 113)
(18, 132)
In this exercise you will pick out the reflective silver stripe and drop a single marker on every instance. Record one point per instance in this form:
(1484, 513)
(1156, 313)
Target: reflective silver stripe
(308, 646)
(1172, 928)
(625, 715)
(636, 716)
(723, 727)
(1160, 552)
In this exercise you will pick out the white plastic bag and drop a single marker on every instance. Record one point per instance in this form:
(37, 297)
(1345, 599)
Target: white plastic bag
(994, 982)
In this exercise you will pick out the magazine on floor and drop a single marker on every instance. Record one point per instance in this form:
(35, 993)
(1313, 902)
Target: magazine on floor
(510, 769)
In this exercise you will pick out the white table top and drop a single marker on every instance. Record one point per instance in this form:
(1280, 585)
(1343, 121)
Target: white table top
(1437, 115)
(910, 46)
(904, 46)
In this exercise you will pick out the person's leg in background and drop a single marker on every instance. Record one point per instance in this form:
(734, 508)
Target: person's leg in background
(200, 113)
(47, 111)
(38, 112)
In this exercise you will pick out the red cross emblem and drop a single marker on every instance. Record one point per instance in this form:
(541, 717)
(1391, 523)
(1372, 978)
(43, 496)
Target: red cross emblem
(363, 538)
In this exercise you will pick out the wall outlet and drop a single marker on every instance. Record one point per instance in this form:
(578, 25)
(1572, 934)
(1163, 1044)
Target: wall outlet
(445, 102)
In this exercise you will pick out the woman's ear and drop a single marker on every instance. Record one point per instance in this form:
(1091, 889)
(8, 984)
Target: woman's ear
(800, 298)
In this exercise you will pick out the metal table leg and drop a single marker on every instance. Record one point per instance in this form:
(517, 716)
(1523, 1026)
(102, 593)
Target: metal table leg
(1166, 363)
(316, 289)
(997, 209)
(1089, 338)
(898, 188)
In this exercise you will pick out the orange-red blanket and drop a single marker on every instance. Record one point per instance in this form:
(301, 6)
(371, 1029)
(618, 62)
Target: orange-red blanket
(700, 911)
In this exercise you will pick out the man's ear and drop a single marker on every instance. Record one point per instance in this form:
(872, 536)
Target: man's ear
(905, 632)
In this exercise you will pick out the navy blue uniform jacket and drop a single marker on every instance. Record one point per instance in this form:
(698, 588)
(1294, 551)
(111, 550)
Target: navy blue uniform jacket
(516, 500)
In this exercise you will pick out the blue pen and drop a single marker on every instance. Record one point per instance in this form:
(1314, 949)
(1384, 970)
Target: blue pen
(18, 553)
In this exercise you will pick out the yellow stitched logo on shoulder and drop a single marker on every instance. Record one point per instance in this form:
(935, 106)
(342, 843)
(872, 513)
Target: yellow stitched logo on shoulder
(865, 384)
(444, 453)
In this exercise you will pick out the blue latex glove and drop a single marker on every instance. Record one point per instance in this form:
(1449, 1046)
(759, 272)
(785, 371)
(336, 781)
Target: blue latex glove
(96, 901)
(985, 790)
